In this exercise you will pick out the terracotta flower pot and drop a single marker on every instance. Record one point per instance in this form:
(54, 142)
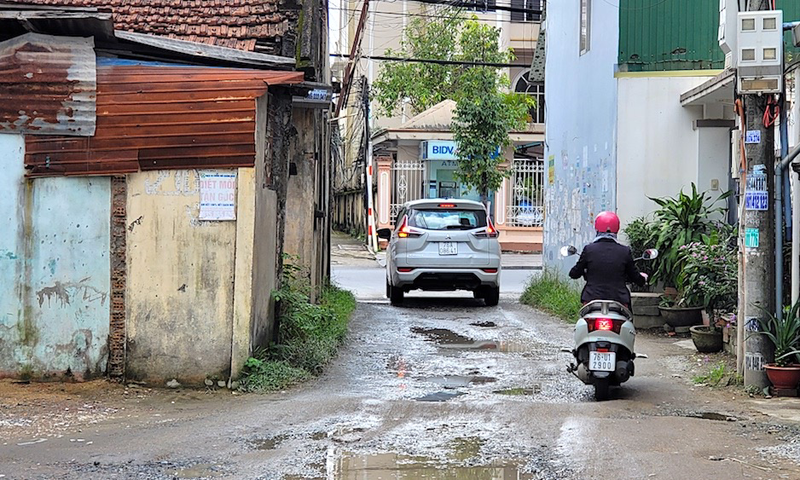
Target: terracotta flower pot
(784, 378)
(706, 339)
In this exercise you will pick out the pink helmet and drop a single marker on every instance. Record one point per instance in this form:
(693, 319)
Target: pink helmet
(607, 222)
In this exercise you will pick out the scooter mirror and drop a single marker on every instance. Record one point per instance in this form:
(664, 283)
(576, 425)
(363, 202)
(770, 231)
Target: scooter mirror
(568, 250)
(650, 254)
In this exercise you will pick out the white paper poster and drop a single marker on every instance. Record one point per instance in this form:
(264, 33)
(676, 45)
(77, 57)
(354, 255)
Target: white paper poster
(217, 195)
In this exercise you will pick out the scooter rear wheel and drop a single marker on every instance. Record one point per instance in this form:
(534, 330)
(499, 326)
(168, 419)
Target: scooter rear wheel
(601, 388)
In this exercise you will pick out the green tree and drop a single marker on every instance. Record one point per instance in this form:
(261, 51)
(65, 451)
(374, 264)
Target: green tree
(484, 114)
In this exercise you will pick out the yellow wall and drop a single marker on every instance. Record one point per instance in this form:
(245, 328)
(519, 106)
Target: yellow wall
(180, 288)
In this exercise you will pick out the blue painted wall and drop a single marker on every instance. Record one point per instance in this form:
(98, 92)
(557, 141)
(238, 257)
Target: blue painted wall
(580, 149)
(54, 270)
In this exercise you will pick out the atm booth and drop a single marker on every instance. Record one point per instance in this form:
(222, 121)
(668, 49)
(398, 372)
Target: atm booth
(440, 163)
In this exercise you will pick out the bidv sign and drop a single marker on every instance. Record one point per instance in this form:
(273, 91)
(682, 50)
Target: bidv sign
(439, 150)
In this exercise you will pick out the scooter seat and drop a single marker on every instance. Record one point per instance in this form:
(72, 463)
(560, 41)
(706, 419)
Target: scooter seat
(604, 307)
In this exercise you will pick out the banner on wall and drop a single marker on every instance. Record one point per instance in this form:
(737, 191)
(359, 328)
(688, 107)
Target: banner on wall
(217, 195)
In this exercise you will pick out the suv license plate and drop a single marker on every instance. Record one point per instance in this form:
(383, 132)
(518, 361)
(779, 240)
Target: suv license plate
(448, 248)
(602, 361)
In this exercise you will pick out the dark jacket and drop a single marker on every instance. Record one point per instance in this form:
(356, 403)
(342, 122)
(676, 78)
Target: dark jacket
(607, 266)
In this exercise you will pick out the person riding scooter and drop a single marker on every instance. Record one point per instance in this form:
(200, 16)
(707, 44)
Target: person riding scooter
(607, 265)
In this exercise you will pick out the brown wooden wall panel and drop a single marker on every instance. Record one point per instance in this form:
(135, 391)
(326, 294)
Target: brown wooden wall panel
(154, 117)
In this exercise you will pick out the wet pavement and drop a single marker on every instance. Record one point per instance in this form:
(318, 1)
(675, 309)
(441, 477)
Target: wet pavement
(439, 388)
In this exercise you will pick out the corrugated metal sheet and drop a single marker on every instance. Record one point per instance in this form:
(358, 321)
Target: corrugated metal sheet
(657, 35)
(161, 117)
(48, 84)
(668, 35)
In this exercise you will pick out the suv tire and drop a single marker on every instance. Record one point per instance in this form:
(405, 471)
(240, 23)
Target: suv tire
(491, 296)
(395, 295)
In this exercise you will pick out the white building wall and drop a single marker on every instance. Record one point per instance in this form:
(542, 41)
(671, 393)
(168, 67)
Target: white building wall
(659, 152)
(580, 149)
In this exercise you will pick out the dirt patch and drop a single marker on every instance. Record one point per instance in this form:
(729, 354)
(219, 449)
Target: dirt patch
(41, 410)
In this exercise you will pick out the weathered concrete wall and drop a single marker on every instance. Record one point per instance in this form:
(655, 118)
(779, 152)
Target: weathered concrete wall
(54, 261)
(302, 193)
(180, 290)
(265, 247)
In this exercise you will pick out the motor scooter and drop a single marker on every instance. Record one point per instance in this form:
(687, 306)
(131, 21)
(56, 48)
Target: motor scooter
(604, 338)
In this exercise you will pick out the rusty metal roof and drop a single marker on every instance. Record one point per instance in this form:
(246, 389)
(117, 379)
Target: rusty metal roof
(48, 84)
(160, 117)
(239, 24)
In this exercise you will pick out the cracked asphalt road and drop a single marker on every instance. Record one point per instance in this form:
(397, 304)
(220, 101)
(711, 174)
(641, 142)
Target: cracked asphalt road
(441, 387)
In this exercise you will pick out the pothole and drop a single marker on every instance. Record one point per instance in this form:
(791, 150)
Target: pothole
(484, 324)
(439, 396)
(719, 417)
(392, 465)
(270, 443)
(442, 336)
(520, 391)
(459, 381)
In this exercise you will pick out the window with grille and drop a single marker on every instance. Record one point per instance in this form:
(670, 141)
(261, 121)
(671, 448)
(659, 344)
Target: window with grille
(482, 6)
(536, 89)
(527, 16)
(526, 205)
(586, 21)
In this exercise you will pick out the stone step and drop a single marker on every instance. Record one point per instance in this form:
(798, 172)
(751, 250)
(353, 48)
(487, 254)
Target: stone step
(645, 299)
(644, 322)
(647, 310)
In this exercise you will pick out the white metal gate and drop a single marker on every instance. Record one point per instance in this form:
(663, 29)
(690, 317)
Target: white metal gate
(526, 205)
(409, 184)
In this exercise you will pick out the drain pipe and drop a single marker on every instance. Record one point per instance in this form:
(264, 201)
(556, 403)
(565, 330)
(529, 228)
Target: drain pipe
(795, 233)
(778, 212)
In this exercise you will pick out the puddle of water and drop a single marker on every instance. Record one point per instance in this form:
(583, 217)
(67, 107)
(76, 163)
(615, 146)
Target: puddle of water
(198, 471)
(439, 396)
(459, 381)
(484, 324)
(466, 448)
(391, 465)
(494, 345)
(268, 443)
(720, 417)
(442, 336)
(520, 391)
(449, 340)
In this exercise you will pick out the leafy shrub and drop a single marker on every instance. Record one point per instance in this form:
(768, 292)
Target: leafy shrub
(309, 334)
(680, 221)
(708, 274)
(552, 293)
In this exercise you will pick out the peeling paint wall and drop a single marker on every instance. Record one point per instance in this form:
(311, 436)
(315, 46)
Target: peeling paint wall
(580, 147)
(54, 313)
(180, 286)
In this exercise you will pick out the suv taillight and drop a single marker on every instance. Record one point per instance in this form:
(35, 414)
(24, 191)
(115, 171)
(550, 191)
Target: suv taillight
(489, 231)
(406, 231)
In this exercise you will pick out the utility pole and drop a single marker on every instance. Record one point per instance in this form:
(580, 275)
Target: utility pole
(756, 229)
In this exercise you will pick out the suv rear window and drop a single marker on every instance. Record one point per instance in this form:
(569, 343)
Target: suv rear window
(441, 219)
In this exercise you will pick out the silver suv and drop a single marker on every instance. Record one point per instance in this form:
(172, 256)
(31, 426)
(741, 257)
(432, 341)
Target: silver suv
(442, 245)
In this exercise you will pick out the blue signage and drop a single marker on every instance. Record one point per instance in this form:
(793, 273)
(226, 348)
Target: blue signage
(756, 201)
(439, 150)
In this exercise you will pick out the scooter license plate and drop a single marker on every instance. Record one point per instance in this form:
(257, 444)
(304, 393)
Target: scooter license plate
(602, 361)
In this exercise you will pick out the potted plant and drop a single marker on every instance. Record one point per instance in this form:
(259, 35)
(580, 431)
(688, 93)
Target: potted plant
(784, 334)
(708, 277)
(680, 221)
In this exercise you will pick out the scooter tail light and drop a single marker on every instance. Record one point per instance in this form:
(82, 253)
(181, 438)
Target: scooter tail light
(605, 324)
